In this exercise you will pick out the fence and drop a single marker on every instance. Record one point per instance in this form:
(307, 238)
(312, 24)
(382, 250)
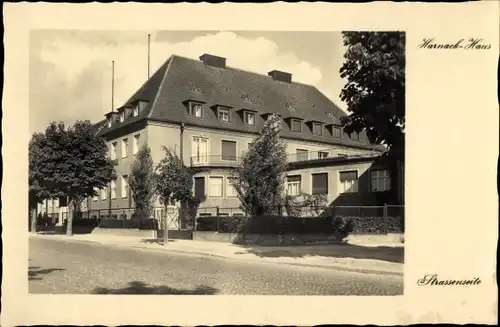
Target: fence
(365, 219)
(125, 218)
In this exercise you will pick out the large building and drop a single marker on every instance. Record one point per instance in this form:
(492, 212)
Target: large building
(209, 113)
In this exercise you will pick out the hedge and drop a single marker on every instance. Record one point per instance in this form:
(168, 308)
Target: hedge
(376, 225)
(274, 225)
(146, 224)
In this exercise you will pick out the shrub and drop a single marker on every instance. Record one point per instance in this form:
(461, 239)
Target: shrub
(375, 225)
(275, 225)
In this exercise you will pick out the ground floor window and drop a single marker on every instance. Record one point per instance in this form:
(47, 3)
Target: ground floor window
(215, 187)
(380, 180)
(349, 181)
(320, 183)
(293, 185)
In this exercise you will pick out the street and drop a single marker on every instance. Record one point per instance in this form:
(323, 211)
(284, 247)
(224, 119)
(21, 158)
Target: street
(65, 267)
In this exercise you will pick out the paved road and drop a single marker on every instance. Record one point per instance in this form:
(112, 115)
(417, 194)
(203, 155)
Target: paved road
(57, 266)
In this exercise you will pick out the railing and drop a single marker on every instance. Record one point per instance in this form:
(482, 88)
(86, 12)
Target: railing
(231, 161)
(215, 160)
(330, 154)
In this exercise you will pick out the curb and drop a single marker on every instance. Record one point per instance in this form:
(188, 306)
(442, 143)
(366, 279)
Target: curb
(204, 254)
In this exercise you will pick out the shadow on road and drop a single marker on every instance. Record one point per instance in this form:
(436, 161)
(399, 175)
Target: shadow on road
(35, 272)
(155, 241)
(384, 253)
(142, 288)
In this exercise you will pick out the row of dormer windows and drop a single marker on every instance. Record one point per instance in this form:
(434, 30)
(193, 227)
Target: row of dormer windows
(249, 117)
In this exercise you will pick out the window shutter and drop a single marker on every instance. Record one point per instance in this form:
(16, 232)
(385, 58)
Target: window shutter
(228, 150)
(291, 179)
(320, 183)
(348, 176)
(199, 187)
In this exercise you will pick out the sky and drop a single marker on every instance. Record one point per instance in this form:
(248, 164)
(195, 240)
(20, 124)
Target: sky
(70, 70)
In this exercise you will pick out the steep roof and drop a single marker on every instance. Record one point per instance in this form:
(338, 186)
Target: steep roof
(181, 79)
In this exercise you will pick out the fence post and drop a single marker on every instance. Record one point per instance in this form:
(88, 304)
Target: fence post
(217, 218)
(385, 219)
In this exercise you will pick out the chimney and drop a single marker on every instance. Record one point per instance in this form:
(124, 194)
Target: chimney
(213, 61)
(280, 76)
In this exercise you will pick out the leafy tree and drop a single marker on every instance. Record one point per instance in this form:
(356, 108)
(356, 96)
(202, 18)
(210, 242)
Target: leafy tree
(73, 164)
(259, 180)
(375, 88)
(40, 173)
(141, 182)
(174, 181)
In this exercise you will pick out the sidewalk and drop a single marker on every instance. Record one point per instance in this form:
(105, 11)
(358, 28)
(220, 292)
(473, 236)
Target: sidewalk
(379, 259)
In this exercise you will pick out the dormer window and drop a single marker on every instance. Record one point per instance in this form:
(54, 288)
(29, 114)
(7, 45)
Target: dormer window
(195, 110)
(110, 120)
(354, 136)
(122, 116)
(135, 111)
(249, 118)
(317, 128)
(223, 115)
(296, 125)
(337, 132)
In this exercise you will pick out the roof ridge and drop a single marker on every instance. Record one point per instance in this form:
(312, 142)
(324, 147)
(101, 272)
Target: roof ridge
(245, 71)
(160, 87)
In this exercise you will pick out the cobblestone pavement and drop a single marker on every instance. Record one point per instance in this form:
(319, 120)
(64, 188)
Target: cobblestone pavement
(61, 267)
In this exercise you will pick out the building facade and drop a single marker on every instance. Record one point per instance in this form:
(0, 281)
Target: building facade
(209, 113)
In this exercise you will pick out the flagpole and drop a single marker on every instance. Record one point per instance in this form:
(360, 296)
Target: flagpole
(113, 86)
(149, 54)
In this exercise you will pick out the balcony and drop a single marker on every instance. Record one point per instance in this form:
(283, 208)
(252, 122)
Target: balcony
(317, 155)
(215, 160)
(231, 161)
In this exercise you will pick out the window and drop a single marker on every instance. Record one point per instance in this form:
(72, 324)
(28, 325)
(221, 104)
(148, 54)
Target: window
(196, 109)
(337, 132)
(296, 125)
(302, 155)
(215, 186)
(223, 214)
(124, 148)
(380, 180)
(228, 150)
(238, 214)
(135, 147)
(322, 155)
(249, 118)
(342, 155)
(320, 183)
(199, 188)
(113, 189)
(348, 181)
(124, 184)
(293, 185)
(224, 115)
(104, 193)
(317, 128)
(135, 111)
(205, 214)
(199, 150)
(109, 121)
(122, 117)
(230, 190)
(113, 150)
(96, 196)
(355, 136)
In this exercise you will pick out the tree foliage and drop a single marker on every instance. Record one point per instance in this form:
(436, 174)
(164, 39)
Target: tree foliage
(375, 90)
(173, 180)
(141, 182)
(259, 180)
(70, 162)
